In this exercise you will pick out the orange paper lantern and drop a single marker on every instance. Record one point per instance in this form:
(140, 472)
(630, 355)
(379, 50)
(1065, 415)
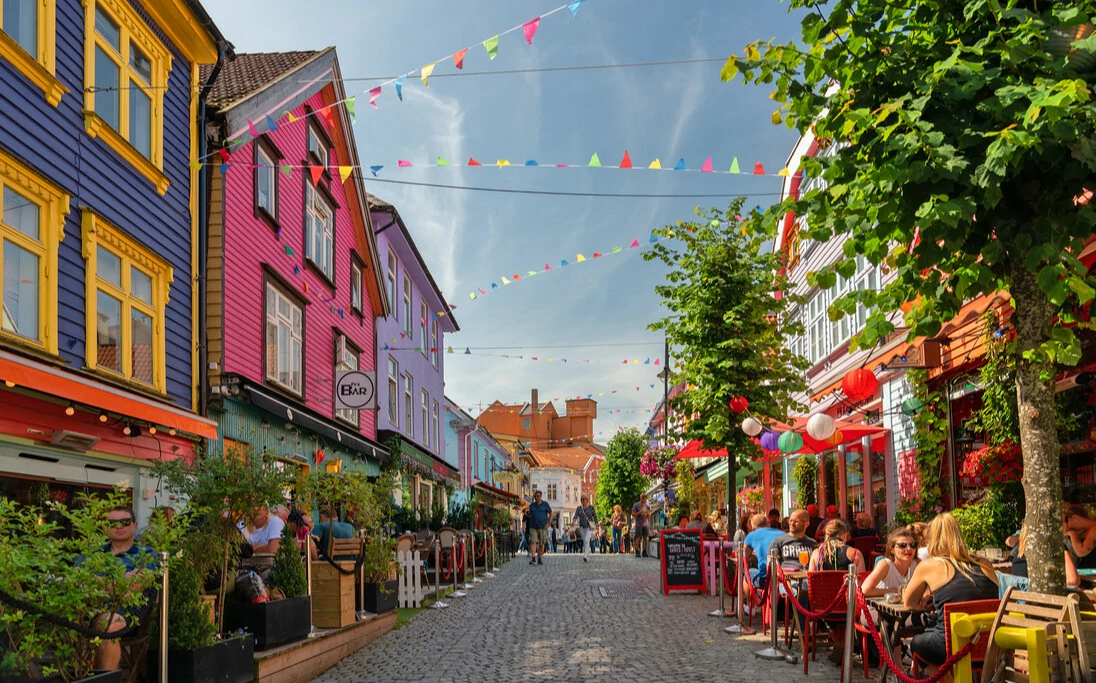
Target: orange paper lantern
(837, 439)
(859, 384)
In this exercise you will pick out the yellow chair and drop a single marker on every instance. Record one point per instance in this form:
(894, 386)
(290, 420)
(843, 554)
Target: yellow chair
(1019, 650)
(964, 628)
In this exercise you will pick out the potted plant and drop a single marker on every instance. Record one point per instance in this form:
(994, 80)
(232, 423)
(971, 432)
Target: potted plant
(196, 652)
(57, 583)
(380, 585)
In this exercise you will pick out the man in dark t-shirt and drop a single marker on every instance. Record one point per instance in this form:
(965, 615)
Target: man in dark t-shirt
(790, 546)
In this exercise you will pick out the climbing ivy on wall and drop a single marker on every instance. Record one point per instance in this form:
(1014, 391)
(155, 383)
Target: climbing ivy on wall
(931, 436)
(806, 481)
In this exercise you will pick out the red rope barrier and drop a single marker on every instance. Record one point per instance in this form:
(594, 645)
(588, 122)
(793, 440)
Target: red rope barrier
(446, 570)
(944, 669)
(841, 594)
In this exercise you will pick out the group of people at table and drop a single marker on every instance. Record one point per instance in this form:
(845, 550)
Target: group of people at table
(924, 566)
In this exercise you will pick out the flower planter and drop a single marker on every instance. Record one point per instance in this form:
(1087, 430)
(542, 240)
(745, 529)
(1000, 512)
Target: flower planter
(226, 661)
(381, 597)
(272, 623)
(332, 595)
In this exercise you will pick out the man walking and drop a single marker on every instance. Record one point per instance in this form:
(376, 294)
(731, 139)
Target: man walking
(586, 518)
(540, 517)
(641, 512)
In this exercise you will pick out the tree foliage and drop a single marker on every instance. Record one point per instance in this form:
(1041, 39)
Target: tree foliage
(965, 134)
(721, 293)
(619, 481)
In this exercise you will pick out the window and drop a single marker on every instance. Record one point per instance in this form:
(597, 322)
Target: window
(28, 30)
(434, 343)
(408, 419)
(422, 328)
(346, 358)
(525, 423)
(267, 157)
(407, 306)
(866, 279)
(817, 324)
(840, 330)
(355, 284)
(551, 495)
(392, 279)
(435, 425)
(319, 231)
(475, 462)
(317, 144)
(393, 392)
(127, 294)
(424, 403)
(125, 67)
(32, 223)
(284, 339)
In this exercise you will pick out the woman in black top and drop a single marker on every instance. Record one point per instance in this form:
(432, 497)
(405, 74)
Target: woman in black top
(833, 553)
(1020, 564)
(951, 574)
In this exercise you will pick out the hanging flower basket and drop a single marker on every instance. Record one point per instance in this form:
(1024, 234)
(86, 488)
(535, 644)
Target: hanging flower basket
(1002, 463)
(751, 498)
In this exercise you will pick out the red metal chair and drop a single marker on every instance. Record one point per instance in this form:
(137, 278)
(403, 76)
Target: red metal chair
(978, 654)
(822, 589)
(866, 545)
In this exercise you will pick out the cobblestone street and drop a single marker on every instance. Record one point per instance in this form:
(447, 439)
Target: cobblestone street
(549, 623)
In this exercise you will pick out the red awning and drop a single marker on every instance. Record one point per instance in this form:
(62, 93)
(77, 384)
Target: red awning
(693, 450)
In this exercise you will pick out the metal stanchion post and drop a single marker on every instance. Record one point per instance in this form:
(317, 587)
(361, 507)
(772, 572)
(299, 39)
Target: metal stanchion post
(773, 652)
(494, 556)
(164, 557)
(437, 604)
(850, 626)
(722, 567)
(469, 553)
(743, 576)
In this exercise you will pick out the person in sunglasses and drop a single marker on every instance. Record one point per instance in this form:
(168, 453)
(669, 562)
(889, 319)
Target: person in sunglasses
(893, 571)
(121, 529)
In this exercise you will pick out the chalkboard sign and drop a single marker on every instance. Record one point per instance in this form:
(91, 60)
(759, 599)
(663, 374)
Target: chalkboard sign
(682, 568)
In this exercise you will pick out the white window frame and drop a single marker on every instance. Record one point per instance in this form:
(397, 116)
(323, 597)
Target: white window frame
(868, 278)
(356, 285)
(346, 358)
(394, 392)
(407, 306)
(435, 424)
(266, 167)
(318, 212)
(424, 413)
(818, 326)
(422, 329)
(392, 292)
(435, 341)
(295, 338)
(409, 399)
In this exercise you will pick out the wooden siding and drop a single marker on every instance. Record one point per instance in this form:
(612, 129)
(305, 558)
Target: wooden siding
(53, 142)
(215, 271)
(250, 245)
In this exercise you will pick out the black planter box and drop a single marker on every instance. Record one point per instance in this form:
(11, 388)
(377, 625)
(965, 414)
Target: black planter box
(272, 623)
(227, 661)
(100, 677)
(382, 597)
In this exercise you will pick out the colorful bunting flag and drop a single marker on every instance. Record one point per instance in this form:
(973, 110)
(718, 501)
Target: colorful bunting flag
(707, 167)
(505, 281)
(224, 154)
(471, 295)
(473, 162)
(615, 250)
(734, 166)
(574, 7)
(530, 28)
(759, 169)
(594, 162)
(449, 350)
(344, 172)
(547, 267)
(351, 103)
(563, 263)
(597, 254)
(403, 163)
(467, 351)
(626, 162)
(783, 172)
(532, 162)
(654, 238)
(195, 164)
(224, 168)
(317, 173)
(271, 126)
(680, 166)
(288, 250)
(375, 170)
(494, 285)
(516, 277)
(426, 71)
(291, 117)
(531, 273)
(399, 87)
(492, 46)
(502, 162)
(252, 129)
(442, 161)
(634, 244)
(656, 164)
(458, 58)
(481, 291)
(579, 258)
(374, 93)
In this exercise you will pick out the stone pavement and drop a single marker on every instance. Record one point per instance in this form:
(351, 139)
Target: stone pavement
(546, 623)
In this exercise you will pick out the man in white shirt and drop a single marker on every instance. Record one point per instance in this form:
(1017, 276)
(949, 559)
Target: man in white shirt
(266, 531)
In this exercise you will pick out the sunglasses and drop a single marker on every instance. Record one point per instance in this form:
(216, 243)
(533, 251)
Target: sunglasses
(119, 523)
(906, 546)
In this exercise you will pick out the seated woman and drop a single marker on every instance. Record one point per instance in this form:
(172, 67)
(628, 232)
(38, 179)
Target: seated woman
(1019, 568)
(864, 526)
(1080, 533)
(833, 553)
(918, 531)
(951, 574)
(698, 522)
(895, 569)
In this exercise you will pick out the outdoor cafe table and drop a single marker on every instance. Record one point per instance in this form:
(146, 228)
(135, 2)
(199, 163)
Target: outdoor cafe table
(712, 556)
(892, 618)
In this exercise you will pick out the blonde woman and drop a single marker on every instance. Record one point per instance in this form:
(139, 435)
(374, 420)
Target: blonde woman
(833, 553)
(951, 574)
(618, 522)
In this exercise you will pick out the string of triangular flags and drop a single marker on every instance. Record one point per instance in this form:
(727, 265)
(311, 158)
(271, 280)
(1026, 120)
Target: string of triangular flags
(595, 162)
(491, 46)
(550, 359)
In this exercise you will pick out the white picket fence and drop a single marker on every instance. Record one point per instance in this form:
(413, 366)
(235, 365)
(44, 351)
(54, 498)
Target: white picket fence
(410, 587)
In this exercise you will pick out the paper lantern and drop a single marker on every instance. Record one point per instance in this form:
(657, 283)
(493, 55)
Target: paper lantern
(837, 439)
(911, 406)
(790, 442)
(770, 441)
(859, 384)
(739, 404)
(752, 426)
(821, 427)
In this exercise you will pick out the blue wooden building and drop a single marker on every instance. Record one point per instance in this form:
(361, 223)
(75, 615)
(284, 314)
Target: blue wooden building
(99, 227)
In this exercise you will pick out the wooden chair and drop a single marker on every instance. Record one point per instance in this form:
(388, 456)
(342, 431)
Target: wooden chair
(822, 589)
(135, 646)
(1075, 644)
(956, 637)
(343, 549)
(1021, 628)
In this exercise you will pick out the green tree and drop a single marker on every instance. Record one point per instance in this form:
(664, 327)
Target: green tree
(619, 481)
(721, 292)
(965, 142)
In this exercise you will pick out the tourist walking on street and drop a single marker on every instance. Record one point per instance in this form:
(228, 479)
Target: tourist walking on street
(586, 518)
(540, 518)
(525, 530)
(641, 512)
(618, 527)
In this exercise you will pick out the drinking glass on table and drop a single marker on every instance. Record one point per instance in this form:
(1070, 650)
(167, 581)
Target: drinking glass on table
(804, 558)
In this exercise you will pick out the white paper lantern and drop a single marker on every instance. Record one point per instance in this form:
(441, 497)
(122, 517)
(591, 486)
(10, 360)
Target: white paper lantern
(821, 427)
(752, 426)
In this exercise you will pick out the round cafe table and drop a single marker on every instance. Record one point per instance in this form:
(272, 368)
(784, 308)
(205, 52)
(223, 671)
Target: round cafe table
(712, 556)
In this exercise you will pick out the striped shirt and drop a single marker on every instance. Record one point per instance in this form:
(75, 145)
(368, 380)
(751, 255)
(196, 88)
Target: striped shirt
(585, 516)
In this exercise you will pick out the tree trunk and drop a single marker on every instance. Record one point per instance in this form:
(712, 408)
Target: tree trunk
(1033, 318)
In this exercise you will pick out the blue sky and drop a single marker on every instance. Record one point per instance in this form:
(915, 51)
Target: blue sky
(470, 240)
